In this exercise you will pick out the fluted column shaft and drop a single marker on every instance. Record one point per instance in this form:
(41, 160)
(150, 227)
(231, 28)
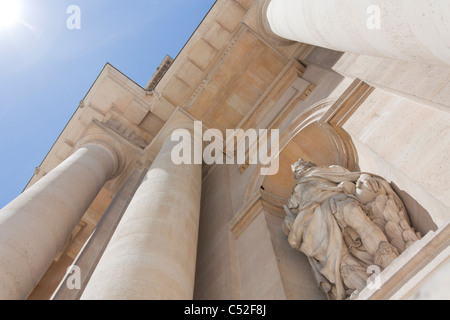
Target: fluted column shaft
(36, 225)
(152, 254)
(411, 30)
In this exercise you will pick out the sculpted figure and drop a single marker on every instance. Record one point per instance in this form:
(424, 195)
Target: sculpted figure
(345, 222)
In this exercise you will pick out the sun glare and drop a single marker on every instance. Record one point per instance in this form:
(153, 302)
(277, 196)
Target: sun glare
(9, 12)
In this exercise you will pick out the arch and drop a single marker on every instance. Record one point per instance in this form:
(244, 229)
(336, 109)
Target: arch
(310, 138)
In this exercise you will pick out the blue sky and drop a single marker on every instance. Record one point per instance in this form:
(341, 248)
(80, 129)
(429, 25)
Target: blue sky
(47, 69)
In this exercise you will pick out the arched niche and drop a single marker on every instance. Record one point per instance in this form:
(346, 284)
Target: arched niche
(309, 138)
(312, 138)
(287, 272)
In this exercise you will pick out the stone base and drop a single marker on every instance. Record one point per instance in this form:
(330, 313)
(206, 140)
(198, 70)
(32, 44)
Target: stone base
(408, 275)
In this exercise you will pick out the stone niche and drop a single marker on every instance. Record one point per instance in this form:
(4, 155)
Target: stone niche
(258, 237)
(394, 266)
(354, 232)
(393, 269)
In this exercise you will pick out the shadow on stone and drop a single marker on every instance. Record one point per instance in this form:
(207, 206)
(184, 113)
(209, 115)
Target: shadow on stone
(420, 218)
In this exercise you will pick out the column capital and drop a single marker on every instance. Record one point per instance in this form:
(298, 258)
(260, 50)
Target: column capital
(264, 29)
(111, 145)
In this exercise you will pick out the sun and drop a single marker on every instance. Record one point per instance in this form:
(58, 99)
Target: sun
(9, 12)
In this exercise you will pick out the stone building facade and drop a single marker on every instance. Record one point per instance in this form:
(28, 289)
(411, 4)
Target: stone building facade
(342, 85)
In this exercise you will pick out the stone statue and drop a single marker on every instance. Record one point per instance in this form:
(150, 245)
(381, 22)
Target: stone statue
(345, 222)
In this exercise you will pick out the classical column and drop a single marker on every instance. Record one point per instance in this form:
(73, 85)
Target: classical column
(36, 225)
(402, 29)
(152, 254)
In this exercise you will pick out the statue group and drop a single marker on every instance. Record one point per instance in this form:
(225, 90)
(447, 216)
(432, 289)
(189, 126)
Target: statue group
(345, 222)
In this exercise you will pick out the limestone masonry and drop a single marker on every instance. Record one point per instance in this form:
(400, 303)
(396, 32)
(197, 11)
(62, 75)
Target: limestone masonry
(358, 208)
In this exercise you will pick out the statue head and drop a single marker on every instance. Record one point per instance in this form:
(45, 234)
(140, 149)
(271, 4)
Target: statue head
(300, 167)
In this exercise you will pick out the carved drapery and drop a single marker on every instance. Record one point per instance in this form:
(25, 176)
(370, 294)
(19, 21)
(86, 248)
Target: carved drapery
(346, 223)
